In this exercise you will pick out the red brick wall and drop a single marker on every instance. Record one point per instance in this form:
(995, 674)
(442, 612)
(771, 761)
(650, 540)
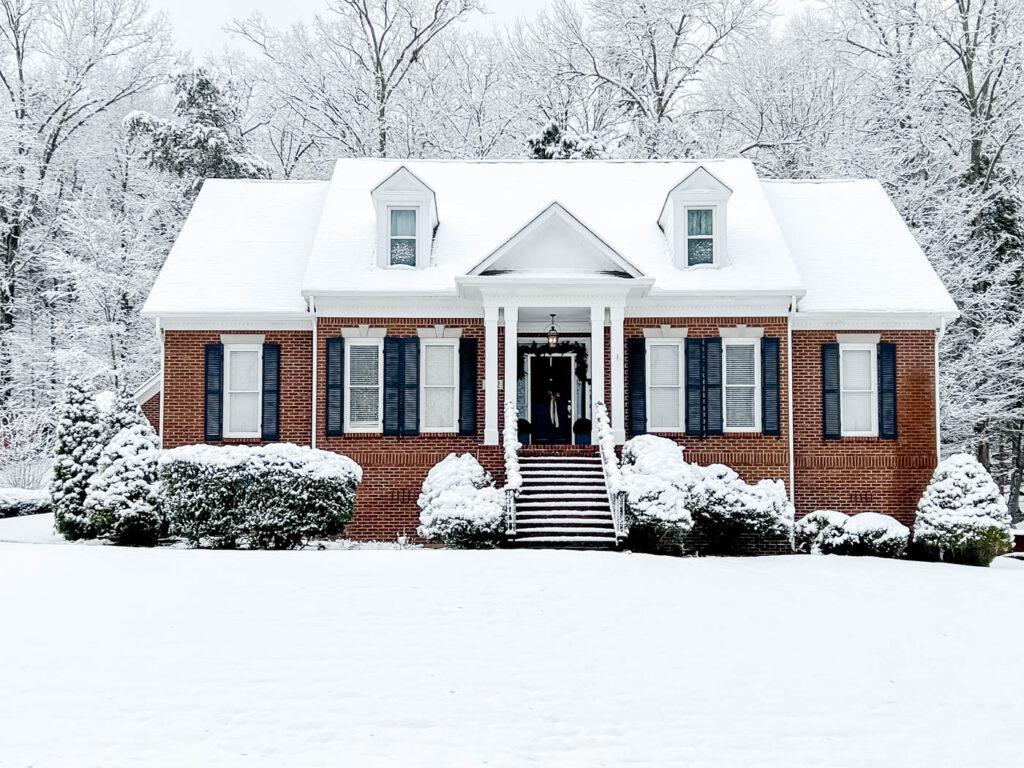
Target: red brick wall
(865, 474)
(151, 410)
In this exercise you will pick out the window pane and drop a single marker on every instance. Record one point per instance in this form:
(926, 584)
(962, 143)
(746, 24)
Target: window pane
(857, 369)
(440, 365)
(363, 365)
(739, 364)
(439, 408)
(403, 252)
(700, 251)
(857, 411)
(363, 406)
(403, 223)
(243, 411)
(664, 407)
(698, 222)
(244, 370)
(739, 407)
(664, 364)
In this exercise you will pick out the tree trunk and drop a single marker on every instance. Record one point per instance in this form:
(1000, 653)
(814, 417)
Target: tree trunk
(9, 244)
(1013, 502)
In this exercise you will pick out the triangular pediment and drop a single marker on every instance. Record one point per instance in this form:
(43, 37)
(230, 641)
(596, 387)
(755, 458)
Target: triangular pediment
(555, 241)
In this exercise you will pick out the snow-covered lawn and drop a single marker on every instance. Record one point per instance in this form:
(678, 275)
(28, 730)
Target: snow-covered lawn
(122, 657)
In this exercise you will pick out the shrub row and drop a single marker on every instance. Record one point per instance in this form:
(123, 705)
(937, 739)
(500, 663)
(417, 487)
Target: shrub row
(868, 533)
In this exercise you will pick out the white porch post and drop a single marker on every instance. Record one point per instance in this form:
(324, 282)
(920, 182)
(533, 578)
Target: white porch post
(511, 349)
(596, 355)
(618, 373)
(490, 375)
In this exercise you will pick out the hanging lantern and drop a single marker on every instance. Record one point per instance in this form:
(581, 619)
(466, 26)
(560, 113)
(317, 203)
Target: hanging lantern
(552, 333)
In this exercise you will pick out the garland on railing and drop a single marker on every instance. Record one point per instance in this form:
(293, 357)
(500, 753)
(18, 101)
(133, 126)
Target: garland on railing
(510, 441)
(606, 444)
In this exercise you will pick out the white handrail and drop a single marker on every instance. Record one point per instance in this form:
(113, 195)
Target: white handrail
(513, 478)
(610, 466)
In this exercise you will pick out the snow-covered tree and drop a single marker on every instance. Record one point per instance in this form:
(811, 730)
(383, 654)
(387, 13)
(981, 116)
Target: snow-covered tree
(81, 436)
(122, 500)
(554, 142)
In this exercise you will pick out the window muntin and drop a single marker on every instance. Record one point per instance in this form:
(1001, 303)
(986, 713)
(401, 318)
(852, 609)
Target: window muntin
(858, 387)
(242, 378)
(402, 236)
(439, 376)
(741, 381)
(700, 241)
(364, 393)
(665, 391)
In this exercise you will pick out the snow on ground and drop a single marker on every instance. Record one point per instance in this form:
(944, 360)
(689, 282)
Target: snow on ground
(117, 657)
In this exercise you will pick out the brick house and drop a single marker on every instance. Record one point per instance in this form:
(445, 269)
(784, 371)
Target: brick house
(786, 329)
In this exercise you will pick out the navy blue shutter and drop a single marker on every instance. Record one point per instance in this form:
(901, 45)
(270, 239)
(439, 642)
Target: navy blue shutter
(335, 386)
(831, 420)
(271, 403)
(636, 350)
(712, 386)
(392, 386)
(887, 390)
(410, 403)
(770, 386)
(213, 402)
(694, 387)
(467, 386)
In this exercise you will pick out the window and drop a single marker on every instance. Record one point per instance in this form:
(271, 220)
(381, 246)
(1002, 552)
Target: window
(439, 410)
(364, 401)
(700, 241)
(242, 390)
(665, 386)
(857, 386)
(741, 381)
(402, 231)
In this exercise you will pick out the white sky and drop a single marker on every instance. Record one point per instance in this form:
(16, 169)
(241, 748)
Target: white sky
(198, 23)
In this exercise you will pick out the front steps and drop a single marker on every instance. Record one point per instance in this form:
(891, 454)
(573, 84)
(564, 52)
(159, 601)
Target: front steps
(563, 504)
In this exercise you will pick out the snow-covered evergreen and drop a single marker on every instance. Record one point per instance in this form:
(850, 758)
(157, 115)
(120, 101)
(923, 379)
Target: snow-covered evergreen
(729, 513)
(660, 488)
(122, 500)
(460, 506)
(821, 532)
(81, 436)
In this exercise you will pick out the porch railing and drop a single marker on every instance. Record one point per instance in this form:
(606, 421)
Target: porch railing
(513, 478)
(610, 465)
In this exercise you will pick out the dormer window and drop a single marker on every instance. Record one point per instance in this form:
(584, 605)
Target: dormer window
(700, 241)
(402, 234)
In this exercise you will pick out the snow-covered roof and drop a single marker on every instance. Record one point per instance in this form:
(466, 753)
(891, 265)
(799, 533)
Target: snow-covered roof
(853, 250)
(243, 249)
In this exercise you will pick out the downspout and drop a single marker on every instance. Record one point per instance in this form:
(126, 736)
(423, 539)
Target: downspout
(163, 383)
(789, 398)
(312, 419)
(938, 419)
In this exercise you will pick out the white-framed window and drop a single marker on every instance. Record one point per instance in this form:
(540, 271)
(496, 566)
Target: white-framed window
(364, 385)
(858, 387)
(665, 386)
(439, 390)
(700, 236)
(741, 384)
(402, 237)
(243, 374)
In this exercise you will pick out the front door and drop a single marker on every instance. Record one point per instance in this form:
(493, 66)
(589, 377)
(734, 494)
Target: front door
(551, 399)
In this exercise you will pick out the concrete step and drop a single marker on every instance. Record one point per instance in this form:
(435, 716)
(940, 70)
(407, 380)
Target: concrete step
(531, 533)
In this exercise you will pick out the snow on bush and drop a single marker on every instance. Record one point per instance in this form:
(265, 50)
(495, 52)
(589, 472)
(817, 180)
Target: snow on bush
(876, 535)
(660, 488)
(81, 436)
(275, 496)
(122, 500)
(962, 516)
(460, 505)
(729, 513)
(15, 502)
(821, 532)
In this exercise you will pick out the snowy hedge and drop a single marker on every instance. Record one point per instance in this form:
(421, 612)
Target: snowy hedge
(459, 505)
(962, 516)
(869, 533)
(276, 496)
(15, 502)
(660, 488)
(122, 499)
(729, 514)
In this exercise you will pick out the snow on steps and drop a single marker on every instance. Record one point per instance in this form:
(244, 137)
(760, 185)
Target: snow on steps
(563, 503)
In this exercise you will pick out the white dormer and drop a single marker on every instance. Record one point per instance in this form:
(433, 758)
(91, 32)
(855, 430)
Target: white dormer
(693, 219)
(406, 220)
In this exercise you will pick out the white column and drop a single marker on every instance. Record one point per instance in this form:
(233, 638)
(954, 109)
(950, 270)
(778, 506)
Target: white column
(618, 404)
(596, 355)
(490, 375)
(511, 361)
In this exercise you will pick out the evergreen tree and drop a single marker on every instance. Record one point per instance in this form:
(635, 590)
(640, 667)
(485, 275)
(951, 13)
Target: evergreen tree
(554, 142)
(121, 499)
(81, 436)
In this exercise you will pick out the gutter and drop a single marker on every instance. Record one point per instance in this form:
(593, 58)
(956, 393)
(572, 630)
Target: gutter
(311, 300)
(789, 404)
(938, 416)
(163, 385)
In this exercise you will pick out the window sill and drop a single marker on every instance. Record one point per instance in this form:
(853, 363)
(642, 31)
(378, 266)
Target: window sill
(363, 430)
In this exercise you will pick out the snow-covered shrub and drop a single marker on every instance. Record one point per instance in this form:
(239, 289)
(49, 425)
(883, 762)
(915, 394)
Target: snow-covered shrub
(821, 532)
(296, 494)
(728, 513)
(875, 535)
(202, 487)
(962, 516)
(122, 500)
(26, 447)
(460, 506)
(659, 487)
(81, 436)
(15, 502)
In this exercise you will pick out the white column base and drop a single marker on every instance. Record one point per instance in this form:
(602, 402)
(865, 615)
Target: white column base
(490, 437)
